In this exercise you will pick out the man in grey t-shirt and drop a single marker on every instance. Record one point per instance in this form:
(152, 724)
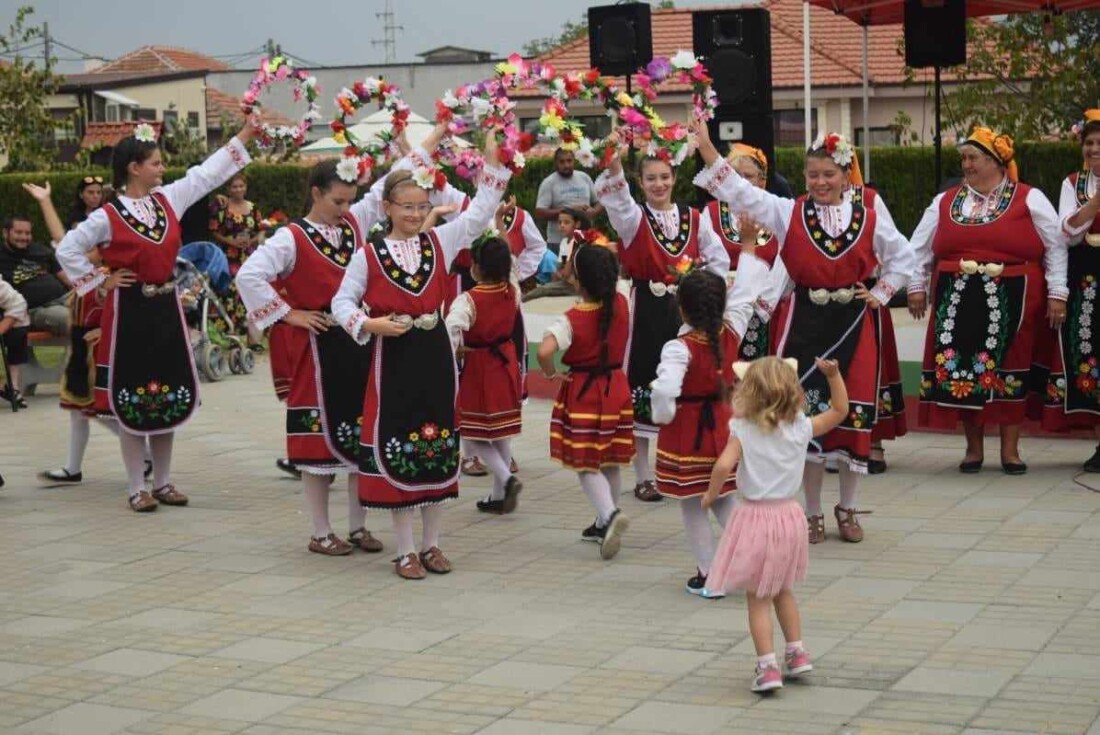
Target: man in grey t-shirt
(565, 188)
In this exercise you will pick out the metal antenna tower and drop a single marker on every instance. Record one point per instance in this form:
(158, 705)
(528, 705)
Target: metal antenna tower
(389, 32)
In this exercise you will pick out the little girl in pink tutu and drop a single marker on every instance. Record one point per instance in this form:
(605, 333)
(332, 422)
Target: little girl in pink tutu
(764, 548)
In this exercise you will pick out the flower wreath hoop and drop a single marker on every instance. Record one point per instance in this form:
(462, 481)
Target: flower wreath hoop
(484, 105)
(280, 69)
(360, 157)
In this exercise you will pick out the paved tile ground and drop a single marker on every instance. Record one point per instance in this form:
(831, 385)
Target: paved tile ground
(973, 606)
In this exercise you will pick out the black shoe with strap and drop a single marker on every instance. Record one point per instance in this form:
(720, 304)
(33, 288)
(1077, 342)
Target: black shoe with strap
(1093, 463)
(61, 476)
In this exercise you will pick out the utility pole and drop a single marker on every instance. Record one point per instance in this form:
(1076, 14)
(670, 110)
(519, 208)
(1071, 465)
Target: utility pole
(389, 33)
(273, 49)
(47, 46)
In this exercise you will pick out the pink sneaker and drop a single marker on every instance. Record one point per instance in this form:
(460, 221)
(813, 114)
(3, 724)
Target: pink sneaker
(767, 679)
(798, 662)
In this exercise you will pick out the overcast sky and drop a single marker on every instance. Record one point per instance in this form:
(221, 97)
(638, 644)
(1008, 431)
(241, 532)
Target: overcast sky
(320, 31)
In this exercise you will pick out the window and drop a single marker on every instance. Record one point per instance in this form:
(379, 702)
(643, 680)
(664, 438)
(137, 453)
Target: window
(790, 126)
(879, 136)
(193, 120)
(145, 113)
(111, 113)
(171, 120)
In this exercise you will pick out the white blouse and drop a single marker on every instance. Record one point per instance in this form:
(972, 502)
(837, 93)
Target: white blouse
(96, 230)
(13, 305)
(1043, 217)
(893, 251)
(526, 264)
(347, 305)
(626, 217)
(1068, 206)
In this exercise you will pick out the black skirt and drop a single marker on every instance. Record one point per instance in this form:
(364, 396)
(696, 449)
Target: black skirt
(655, 321)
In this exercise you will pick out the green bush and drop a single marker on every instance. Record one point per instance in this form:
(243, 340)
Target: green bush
(905, 176)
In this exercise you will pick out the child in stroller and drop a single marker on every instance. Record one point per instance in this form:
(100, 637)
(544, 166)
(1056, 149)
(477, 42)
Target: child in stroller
(199, 269)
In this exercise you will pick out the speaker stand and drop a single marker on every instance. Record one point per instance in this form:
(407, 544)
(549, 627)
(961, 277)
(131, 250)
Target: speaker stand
(936, 139)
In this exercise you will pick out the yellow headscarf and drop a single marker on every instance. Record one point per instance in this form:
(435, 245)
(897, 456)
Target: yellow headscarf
(1092, 115)
(739, 150)
(997, 145)
(855, 173)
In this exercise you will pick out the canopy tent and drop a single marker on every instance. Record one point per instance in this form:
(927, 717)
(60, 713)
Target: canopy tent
(886, 12)
(418, 129)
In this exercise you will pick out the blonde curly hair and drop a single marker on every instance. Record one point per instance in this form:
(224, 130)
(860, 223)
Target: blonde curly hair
(769, 394)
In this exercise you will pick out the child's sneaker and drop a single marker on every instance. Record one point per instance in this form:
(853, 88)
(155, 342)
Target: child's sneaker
(798, 662)
(593, 533)
(697, 585)
(767, 679)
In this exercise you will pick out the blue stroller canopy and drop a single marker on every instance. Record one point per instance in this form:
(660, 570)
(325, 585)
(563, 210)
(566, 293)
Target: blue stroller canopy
(209, 258)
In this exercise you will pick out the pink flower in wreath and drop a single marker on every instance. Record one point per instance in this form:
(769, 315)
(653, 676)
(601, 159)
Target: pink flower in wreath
(429, 431)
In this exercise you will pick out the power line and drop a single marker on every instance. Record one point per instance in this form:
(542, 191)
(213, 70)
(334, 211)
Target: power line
(84, 54)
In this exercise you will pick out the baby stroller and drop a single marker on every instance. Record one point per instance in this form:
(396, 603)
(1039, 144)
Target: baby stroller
(198, 269)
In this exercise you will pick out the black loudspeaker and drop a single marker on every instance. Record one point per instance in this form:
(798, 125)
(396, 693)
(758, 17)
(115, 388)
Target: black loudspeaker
(736, 48)
(935, 33)
(750, 128)
(620, 38)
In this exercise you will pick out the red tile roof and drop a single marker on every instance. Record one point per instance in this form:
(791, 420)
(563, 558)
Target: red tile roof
(219, 105)
(160, 59)
(108, 134)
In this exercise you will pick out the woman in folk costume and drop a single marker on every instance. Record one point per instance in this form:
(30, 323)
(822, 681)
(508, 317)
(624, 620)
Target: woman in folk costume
(480, 323)
(409, 452)
(655, 238)
(736, 228)
(1072, 392)
(993, 255)
(328, 369)
(830, 245)
(145, 372)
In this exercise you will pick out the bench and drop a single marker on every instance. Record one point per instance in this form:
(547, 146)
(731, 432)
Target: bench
(34, 372)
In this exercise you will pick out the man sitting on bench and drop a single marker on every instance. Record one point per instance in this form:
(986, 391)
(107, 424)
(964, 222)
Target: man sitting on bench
(14, 326)
(35, 273)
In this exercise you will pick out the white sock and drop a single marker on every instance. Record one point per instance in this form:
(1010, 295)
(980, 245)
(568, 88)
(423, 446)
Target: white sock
(160, 445)
(489, 455)
(793, 646)
(79, 429)
(596, 487)
(133, 459)
(849, 487)
(700, 538)
(642, 471)
(723, 509)
(357, 514)
(767, 660)
(432, 517)
(812, 477)
(403, 530)
(315, 490)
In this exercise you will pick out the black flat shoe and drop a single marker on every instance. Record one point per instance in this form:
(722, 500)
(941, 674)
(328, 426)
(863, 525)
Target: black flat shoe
(60, 476)
(1014, 468)
(1093, 463)
(288, 467)
(876, 466)
(971, 467)
(488, 505)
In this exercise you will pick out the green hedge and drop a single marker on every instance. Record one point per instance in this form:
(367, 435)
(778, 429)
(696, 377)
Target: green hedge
(905, 176)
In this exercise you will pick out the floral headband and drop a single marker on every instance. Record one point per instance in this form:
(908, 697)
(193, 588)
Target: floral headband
(837, 146)
(145, 133)
(1090, 116)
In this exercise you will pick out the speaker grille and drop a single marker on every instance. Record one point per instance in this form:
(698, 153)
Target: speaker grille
(734, 74)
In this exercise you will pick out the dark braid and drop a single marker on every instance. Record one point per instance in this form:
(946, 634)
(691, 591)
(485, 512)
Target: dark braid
(597, 271)
(702, 297)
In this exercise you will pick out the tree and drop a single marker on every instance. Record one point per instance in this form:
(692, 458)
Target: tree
(1028, 75)
(26, 126)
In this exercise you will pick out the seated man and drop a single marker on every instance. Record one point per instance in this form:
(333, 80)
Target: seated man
(35, 273)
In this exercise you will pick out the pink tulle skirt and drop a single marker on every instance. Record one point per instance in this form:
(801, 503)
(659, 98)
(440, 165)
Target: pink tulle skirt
(764, 549)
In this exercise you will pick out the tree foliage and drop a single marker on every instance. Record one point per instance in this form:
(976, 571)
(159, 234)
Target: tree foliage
(1028, 75)
(26, 126)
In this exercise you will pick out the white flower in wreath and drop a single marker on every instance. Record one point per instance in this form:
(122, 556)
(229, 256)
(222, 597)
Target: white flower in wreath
(990, 287)
(991, 302)
(585, 155)
(123, 396)
(683, 60)
(519, 160)
(424, 177)
(145, 133)
(348, 169)
(994, 328)
(991, 343)
(480, 107)
(945, 338)
(948, 323)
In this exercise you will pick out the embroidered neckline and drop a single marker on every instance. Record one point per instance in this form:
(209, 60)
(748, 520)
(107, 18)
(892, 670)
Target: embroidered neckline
(832, 247)
(1003, 202)
(156, 233)
(673, 247)
(731, 233)
(490, 287)
(338, 255)
(413, 283)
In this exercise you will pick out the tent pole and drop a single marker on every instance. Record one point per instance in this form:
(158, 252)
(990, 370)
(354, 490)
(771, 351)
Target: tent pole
(936, 139)
(866, 112)
(807, 117)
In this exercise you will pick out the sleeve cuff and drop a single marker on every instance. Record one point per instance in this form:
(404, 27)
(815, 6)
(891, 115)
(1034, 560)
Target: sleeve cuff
(883, 292)
(355, 326)
(608, 185)
(89, 281)
(494, 177)
(917, 288)
(713, 176)
(1058, 293)
(269, 313)
(239, 153)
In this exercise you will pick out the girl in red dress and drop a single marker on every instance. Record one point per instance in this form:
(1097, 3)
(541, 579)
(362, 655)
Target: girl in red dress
(591, 426)
(480, 324)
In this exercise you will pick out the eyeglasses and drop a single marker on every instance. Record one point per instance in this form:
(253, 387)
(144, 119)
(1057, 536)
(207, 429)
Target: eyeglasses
(410, 208)
(93, 179)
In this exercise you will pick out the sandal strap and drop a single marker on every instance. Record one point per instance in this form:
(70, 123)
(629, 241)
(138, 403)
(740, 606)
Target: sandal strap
(849, 515)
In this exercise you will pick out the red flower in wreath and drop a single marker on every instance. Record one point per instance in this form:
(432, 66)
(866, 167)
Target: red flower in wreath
(591, 76)
(429, 431)
(830, 142)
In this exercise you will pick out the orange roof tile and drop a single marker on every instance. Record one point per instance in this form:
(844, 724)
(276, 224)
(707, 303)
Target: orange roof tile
(161, 59)
(108, 134)
(220, 104)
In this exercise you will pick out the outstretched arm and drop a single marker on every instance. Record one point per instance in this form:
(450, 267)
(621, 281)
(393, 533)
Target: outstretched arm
(41, 194)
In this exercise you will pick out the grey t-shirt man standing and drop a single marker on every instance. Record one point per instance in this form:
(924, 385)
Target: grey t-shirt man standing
(565, 188)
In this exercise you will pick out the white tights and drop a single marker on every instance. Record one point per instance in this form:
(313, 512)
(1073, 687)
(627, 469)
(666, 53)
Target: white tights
(133, 459)
(602, 488)
(497, 456)
(432, 518)
(643, 472)
(316, 495)
(700, 538)
(814, 476)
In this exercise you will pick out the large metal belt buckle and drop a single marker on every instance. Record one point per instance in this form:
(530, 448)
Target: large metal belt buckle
(658, 289)
(819, 296)
(971, 267)
(1093, 239)
(822, 296)
(844, 295)
(149, 290)
(426, 322)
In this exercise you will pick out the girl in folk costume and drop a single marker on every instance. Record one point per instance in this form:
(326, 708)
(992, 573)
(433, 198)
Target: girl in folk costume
(691, 400)
(480, 323)
(145, 373)
(409, 452)
(591, 428)
(993, 254)
(308, 258)
(1073, 389)
(735, 229)
(655, 238)
(830, 245)
(763, 549)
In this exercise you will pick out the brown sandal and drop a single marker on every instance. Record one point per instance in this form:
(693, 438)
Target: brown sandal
(142, 503)
(817, 528)
(409, 567)
(646, 492)
(331, 545)
(849, 527)
(365, 541)
(169, 495)
(434, 561)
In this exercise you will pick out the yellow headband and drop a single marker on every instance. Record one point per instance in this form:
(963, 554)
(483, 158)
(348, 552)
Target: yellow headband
(997, 145)
(738, 150)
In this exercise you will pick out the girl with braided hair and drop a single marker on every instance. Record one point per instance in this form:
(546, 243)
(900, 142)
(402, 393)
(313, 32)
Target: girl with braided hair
(591, 428)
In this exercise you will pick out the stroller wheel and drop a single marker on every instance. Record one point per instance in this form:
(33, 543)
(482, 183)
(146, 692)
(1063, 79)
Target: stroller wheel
(235, 361)
(213, 363)
(248, 361)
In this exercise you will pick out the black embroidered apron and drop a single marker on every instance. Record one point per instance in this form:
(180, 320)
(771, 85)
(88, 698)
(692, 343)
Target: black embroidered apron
(343, 365)
(656, 320)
